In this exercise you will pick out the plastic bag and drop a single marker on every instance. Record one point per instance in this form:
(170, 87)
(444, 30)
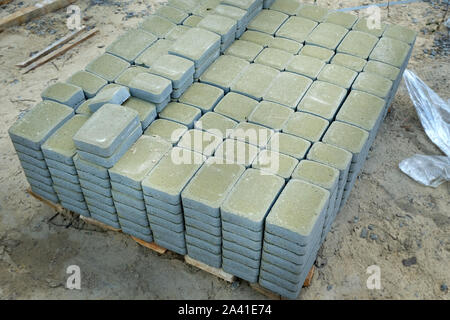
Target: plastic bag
(434, 114)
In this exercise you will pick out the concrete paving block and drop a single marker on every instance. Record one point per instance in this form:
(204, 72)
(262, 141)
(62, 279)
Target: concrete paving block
(175, 227)
(104, 131)
(246, 252)
(163, 214)
(150, 87)
(338, 75)
(60, 146)
(223, 72)
(255, 81)
(96, 188)
(365, 25)
(400, 33)
(288, 7)
(198, 224)
(289, 145)
(349, 61)
(177, 93)
(106, 216)
(158, 184)
(267, 21)
(299, 259)
(84, 108)
(236, 151)
(287, 45)
(216, 124)
(236, 106)
(288, 89)
(37, 154)
(239, 270)
(177, 32)
(287, 285)
(108, 162)
(313, 12)
(306, 126)
(107, 66)
(203, 235)
(111, 93)
(252, 133)
(280, 262)
(90, 168)
(101, 205)
(168, 130)
(132, 214)
(270, 114)
(181, 113)
(317, 52)
(131, 44)
(172, 14)
(97, 199)
(33, 128)
(187, 6)
(174, 238)
(44, 194)
(89, 82)
(66, 184)
(344, 19)
(241, 230)
(69, 193)
(64, 93)
(128, 200)
(162, 205)
(134, 233)
(171, 247)
(28, 159)
(288, 245)
(282, 273)
(260, 38)
(176, 69)
(390, 51)
(78, 204)
(204, 256)
(139, 160)
(275, 58)
(330, 155)
(374, 84)
(192, 21)
(235, 13)
(157, 26)
(33, 168)
(248, 5)
(319, 174)
(305, 66)
(322, 99)
(225, 27)
(357, 43)
(361, 109)
(243, 241)
(255, 264)
(200, 141)
(205, 65)
(43, 186)
(63, 175)
(326, 35)
(146, 110)
(70, 207)
(134, 226)
(196, 45)
(127, 190)
(244, 49)
(275, 163)
(204, 245)
(152, 53)
(382, 69)
(202, 96)
(213, 221)
(126, 76)
(296, 28)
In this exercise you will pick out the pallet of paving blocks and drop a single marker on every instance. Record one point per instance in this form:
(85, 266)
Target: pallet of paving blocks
(228, 131)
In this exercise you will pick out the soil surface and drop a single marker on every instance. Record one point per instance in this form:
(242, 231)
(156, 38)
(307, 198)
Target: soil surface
(389, 221)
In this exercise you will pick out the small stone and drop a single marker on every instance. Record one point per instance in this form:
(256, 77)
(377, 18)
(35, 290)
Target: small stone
(444, 288)
(355, 219)
(235, 285)
(363, 233)
(409, 262)
(371, 227)
(373, 236)
(329, 287)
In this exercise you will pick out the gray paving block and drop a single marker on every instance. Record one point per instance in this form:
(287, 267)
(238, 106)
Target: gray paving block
(163, 214)
(63, 175)
(83, 212)
(268, 21)
(66, 184)
(200, 141)
(46, 187)
(202, 244)
(313, 12)
(90, 168)
(296, 28)
(306, 126)
(163, 234)
(37, 176)
(105, 183)
(317, 52)
(151, 54)
(31, 167)
(240, 270)
(127, 190)
(114, 224)
(213, 221)
(261, 38)
(157, 25)
(216, 124)
(245, 50)
(275, 58)
(99, 213)
(35, 162)
(390, 51)
(224, 71)
(255, 81)
(246, 252)
(168, 130)
(89, 82)
(177, 93)
(110, 208)
(128, 200)
(241, 231)
(281, 273)
(156, 203)
(61, 166)
(175, 227)
(382, 69)
(180, 250)
(64, 93)
(204, 256)
(327, 35)
(243, 241)
(146, 110)
(287, 45)
(128, 75)
(225, 27)
(202, 96)
(240, 258)
(107, 66)
(347, 20)
(131, 44)
(205, 65)
(192, 231)
(374, 84)
(79, 204)
(363, 24)
(233, 151)
(134, 226)
(96, 188)
(288, 89)
(28, 151)
(357, 43)
(46, 195)
(131, 214)
(272, 162)
(349, 61)
(134, 233)
(172, 14)
(236, 106)
(198, 224)
(181, 113)
(150, 87)
(288, 144)
(176, 69)
(338, 75)
(69, 193)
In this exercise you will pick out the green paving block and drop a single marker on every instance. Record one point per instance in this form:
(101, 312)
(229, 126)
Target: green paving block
(146, 110)
(243, 4)
(89, 82)
(252, 133)
(306, 66)
(202, 96)
(187, 6)
(306, 126)
(316, 173)
(150, 87)
(255, 81)
(192, 21)
(346, 136)
(107, 66)
(176, 69)
(390, 51)
(210, 186)
(330, 155)
(322, 99)
(276, 163)
(289, 7)
(129, 74)
(297, 211)
(361, 109)
(111, 93)
(157, 25)
(172, 14)
(200, 141)
(251, 199)
(216, 124)
(288, 89)
(267, 21)
(261, 38)
(84, 108)
(338, 75)
(370, 26)
(33, 128)
(344, 19)
(374, 84)
(244, 49)
(400, 33)
(317, 52)
(348, 61)
(181, 113)
(60, 145)
(271, 115)
(151, 54)
(287, 45)
(231, 12)
(313, 12)
(221, 25)
(224, 71)
(235, 151)
(177, 32)
(169, 130)
(382, 69)
(358, 44)
(236, 106)
(327, 35)
(288, 144)
(139, 160)
(296, 28)
(130, 45)
(275, 58)
(65, 93)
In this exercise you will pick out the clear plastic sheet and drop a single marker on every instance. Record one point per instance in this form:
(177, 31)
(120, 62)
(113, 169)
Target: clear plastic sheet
(434, 114)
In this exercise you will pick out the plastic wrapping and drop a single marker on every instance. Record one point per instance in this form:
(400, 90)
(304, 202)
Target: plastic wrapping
(434, 114)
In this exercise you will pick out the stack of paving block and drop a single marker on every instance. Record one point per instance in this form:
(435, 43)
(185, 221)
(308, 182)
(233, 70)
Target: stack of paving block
(162, 189)
(292, 237)
(59, 151)
(28, 134)
(201, 201)
(101, 142)
(242, 216)
(126, 177)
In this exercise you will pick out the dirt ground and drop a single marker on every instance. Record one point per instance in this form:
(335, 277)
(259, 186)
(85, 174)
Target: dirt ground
(408, 225)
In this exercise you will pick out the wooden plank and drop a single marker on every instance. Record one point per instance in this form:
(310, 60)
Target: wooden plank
(309, 277)
(51, 47)
(151, 245)
(266, 292)
(60, 51)
(26, 14)
(55, 206)
(214, 271)
(99, 224)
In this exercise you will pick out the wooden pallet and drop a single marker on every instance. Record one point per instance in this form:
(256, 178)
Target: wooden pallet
(214, 271)
(151, 245)
(99, 224)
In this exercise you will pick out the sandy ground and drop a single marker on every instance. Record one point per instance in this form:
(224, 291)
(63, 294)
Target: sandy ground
(404, 220)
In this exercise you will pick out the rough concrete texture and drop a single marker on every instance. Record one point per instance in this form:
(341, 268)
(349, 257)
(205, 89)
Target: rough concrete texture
(107, 66)
(306, 126)
(64, 93)
(244, 49)
(200, 141)
(167, 129)
(89, 82)
(271, 115)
